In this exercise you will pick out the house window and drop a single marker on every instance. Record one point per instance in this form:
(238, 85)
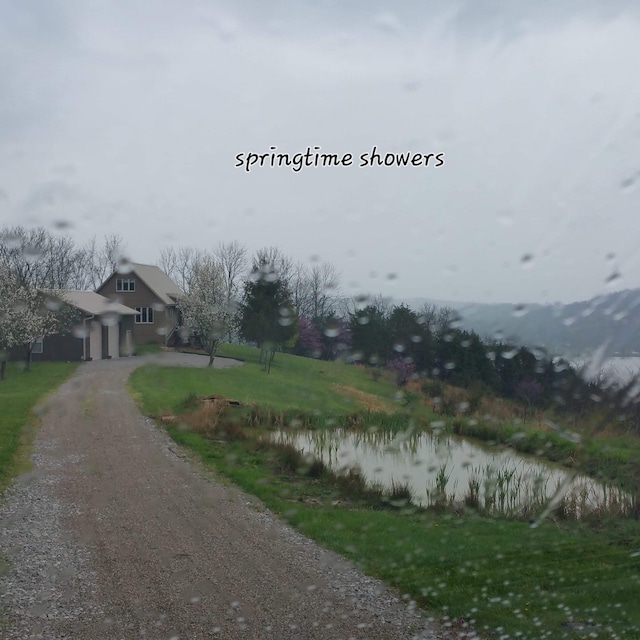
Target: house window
(145, 315)
(125, 284)
(38, 345)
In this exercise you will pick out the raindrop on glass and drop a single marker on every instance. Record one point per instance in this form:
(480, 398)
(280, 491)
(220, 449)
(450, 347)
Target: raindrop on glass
(505, 219)
(110, 318)
(527, 260)
(32, 254)
(520, 310)
(124, 265)
(80, 331)
(613, 278)
(629, 182)
(52, 303)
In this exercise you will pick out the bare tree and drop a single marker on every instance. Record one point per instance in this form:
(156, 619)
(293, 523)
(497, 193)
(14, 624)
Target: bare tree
(179, 263)
(324, 280)
(233, 262)
(299, 289)
(107, 257)
(436, 320)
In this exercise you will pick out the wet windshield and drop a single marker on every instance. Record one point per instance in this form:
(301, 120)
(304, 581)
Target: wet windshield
(319, 320)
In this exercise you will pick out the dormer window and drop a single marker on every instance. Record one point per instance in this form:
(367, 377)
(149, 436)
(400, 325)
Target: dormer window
(125, 284)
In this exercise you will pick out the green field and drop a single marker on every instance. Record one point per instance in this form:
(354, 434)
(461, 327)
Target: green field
(294, 382)
(19, 393)
(506, 579)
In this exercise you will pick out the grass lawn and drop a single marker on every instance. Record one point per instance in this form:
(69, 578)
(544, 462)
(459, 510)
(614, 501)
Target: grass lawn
(294, 382)
(19, 393)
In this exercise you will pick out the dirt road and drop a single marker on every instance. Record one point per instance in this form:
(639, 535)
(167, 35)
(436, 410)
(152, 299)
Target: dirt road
(113, 535)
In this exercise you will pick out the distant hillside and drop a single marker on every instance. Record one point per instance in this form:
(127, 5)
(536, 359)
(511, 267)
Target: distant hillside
(573, 329)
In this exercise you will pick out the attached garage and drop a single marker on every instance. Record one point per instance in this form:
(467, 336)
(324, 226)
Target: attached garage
(105, 331)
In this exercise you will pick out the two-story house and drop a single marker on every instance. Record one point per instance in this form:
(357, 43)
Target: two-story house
(150, 291)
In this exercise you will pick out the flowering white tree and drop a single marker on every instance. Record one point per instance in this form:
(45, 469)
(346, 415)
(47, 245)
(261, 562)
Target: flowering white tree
(26, 315)
(208, 310)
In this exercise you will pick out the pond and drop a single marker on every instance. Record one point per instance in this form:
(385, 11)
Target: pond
(452, 470)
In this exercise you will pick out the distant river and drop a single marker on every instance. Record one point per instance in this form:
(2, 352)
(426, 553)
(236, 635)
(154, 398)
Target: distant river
(620, 369)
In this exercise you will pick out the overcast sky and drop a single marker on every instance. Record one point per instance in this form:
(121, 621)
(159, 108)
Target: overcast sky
(126, 117)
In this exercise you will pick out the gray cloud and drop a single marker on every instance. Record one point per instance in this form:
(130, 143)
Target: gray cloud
(149, 103)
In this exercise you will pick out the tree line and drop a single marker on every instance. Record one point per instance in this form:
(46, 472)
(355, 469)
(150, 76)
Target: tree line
(278, 304)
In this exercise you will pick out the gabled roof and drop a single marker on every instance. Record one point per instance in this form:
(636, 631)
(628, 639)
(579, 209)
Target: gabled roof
(93, 303)
(158, 281)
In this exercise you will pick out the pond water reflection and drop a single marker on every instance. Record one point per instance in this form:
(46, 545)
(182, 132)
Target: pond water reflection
(452, 470)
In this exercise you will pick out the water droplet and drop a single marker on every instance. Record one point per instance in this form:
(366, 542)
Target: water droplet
(505, 219)
(109, 318)
(285, 322)
(392, 276)
(52, 303)
(629, 182)
(520, 310)
(332, 332)
(527, 260)
(32, 254)
(450, 365)
(399, 347)
(124, 265)
(80, 331)
(12, 241)
(363, 320)
(62, 224)
(613, 277)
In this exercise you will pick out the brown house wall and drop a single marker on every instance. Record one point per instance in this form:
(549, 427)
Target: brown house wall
(141, 297)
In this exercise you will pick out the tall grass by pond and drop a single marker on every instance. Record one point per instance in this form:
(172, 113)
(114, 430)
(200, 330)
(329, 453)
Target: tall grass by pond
(449, 472)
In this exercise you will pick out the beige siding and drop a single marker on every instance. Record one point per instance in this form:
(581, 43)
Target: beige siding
(95, 340)
(114, 341)
(163, 319)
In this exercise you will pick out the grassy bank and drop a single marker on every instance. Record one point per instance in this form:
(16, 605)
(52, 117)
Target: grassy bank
(558, 580)
(293, 383)
(19, 393)
(323, 392)
(552, 581)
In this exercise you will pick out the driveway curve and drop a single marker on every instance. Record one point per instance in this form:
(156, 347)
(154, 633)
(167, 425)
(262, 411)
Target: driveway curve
(114, 534)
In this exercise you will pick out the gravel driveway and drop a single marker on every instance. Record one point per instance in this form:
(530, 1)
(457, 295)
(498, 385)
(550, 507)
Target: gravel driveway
(114, 534)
